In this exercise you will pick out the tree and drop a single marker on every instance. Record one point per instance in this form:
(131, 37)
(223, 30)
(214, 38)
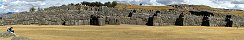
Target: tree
(92, 4)
(77, 4)
(85, 3)
(72, 4)
(98, 4)
(107, 4)
(39, 9)
(140, 4)
(114, 3)
(32, 9)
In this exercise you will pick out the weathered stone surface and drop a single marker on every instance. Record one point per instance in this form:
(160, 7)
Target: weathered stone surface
(6, 34)
(192, 20)
(112, 21)
(101, 22)
(20, 38)
(75, 15)
(238, 21)
(168, 19)
(217, 21)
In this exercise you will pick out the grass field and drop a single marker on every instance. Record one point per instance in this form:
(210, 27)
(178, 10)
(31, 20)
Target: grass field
(126, 32)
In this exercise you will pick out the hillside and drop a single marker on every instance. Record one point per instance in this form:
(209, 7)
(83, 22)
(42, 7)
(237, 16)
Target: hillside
(182, 7)
(190, 15)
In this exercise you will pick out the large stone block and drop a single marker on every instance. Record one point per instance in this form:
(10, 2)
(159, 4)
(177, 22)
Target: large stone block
(168, 19)
(112, 21)
(238, 21)
(217, 21)
(192, 20)
(101, 22)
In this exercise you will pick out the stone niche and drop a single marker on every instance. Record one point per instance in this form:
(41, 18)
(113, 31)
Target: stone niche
(228, 21)
(150, 21)
(179, 21)
(97, 20)
(205, 21)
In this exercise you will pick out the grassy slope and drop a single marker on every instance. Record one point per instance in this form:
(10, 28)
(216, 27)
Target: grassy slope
(126, 32)
(130, 7)
(166, 8)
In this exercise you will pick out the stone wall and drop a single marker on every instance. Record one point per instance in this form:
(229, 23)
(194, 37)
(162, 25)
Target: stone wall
(112, 16)
(192, 20)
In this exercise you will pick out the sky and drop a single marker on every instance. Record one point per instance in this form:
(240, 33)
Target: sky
(24, 5)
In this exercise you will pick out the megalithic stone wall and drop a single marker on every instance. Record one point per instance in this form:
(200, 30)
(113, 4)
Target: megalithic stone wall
(57, 16)
(193, 20)
(101, 22)
(132, 21)
(112, 20)
(168, 19)
(157, 21)
(238, 21)
(217, 21)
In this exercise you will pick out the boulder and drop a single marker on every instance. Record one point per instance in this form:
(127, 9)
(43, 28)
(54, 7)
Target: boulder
(6, 34)
(19, 38)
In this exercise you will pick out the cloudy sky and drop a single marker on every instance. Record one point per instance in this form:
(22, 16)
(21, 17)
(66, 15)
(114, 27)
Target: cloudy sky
(24, 5)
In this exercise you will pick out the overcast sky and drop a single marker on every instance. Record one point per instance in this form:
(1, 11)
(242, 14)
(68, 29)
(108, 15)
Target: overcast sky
(24, 5)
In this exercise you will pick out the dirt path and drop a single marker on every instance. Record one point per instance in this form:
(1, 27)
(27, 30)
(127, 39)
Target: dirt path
(126, 32)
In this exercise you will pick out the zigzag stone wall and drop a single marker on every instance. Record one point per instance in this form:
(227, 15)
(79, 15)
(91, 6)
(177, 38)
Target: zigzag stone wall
(109, 16)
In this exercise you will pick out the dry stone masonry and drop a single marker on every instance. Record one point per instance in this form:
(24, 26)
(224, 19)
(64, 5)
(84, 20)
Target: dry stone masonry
(77, 15)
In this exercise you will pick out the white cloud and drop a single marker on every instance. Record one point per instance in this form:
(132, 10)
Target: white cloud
(24, 5)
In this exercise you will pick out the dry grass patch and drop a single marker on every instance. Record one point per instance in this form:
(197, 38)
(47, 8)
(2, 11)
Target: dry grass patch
(127, 32)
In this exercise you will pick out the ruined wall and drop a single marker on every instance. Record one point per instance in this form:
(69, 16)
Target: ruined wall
(192, 20)
(238, 21)
(109, 16)
(217, 21)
